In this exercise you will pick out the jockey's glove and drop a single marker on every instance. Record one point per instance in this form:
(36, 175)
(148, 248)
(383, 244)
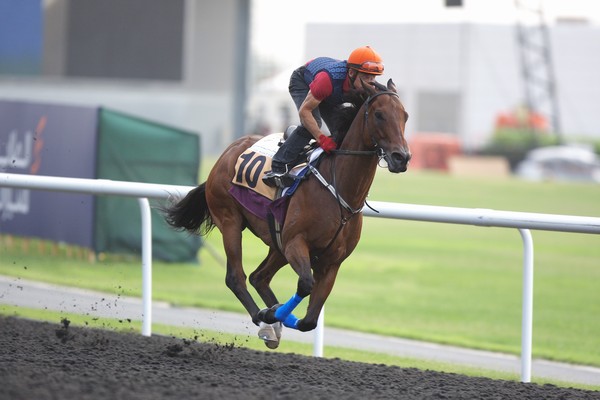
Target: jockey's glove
(327, 143)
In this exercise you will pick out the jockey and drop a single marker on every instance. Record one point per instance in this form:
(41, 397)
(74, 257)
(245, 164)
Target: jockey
(317, 88)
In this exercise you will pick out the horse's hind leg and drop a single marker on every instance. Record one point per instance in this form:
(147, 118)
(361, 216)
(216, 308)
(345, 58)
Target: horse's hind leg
(261, 278)
(235, 278)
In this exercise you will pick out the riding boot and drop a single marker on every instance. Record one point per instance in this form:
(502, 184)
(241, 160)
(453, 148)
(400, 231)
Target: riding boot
(286, 157)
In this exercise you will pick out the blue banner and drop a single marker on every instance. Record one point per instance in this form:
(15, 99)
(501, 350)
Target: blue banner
(51, 140)
(21, 37)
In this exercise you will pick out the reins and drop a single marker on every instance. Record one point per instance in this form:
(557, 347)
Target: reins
(341, 202)
(377, 151)
(354, 152)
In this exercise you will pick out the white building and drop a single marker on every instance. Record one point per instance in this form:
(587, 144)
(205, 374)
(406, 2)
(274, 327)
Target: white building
(457, 77)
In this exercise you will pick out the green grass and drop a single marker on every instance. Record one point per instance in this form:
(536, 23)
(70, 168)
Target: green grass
(445, 283)
(208, 336)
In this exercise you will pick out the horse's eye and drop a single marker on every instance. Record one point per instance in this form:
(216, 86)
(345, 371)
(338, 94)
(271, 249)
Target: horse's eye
(379, 116)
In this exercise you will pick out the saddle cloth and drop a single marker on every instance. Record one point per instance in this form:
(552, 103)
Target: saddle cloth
(252, 164)
(248, 187)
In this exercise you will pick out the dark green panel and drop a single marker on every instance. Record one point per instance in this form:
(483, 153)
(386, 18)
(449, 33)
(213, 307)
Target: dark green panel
(132, 149)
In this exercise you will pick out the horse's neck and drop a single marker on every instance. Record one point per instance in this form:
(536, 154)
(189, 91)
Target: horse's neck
(354, 174)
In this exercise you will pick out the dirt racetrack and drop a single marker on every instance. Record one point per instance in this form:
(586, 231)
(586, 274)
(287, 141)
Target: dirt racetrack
(56, 361)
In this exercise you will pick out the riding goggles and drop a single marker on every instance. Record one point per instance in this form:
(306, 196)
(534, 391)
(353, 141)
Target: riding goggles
(369, 67)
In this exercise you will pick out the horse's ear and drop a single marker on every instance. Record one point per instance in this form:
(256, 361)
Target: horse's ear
(391, 85)
(369, 89)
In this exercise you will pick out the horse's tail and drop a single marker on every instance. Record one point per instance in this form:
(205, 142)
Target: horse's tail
(191, 213)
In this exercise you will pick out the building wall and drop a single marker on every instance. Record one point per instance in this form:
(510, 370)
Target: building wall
(577, 61)
(20, 37)
(175, 62)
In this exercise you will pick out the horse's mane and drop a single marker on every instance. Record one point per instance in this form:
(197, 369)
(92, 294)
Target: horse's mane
(347, 111)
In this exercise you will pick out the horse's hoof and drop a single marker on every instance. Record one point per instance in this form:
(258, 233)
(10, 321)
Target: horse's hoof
(268, 314)
(304, 326)
(270, 334)
(278, 327)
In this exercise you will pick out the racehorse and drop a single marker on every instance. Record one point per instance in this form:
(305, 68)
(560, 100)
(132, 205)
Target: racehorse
(323, 220)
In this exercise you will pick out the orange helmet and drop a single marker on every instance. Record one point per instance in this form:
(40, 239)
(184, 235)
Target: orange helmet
(365, 59)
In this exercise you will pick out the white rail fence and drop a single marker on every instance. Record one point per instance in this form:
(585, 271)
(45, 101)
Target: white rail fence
(453, 215)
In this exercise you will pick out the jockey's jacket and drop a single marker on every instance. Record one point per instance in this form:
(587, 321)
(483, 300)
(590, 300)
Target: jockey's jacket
(337, 71)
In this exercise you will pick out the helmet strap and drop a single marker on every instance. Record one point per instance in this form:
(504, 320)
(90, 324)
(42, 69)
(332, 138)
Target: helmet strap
(352, 78)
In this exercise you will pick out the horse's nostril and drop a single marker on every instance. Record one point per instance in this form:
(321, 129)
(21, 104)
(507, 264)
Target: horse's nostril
(398, 161)
(400, 158)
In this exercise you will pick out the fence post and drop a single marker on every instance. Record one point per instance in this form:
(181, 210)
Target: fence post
(319, 335)
(146, 266)
(527, 317)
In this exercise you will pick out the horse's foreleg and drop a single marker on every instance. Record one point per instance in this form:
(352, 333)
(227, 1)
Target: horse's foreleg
(298, 256)
(323, 285)
(297, 253)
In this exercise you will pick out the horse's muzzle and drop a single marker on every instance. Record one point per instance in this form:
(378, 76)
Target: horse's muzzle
(398, 161)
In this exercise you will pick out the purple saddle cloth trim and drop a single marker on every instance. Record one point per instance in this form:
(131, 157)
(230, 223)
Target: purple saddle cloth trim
(259, 205)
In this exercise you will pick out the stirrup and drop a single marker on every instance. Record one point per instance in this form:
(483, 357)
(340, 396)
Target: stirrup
(271, 178)
(277, 179)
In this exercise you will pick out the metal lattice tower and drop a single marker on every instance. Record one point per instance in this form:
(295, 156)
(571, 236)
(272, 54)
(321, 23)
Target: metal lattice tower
(536, 63)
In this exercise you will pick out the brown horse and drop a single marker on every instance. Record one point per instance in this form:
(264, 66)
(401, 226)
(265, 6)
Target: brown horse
(323, 221)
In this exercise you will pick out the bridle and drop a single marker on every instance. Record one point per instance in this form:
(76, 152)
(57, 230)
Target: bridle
(377, 151)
